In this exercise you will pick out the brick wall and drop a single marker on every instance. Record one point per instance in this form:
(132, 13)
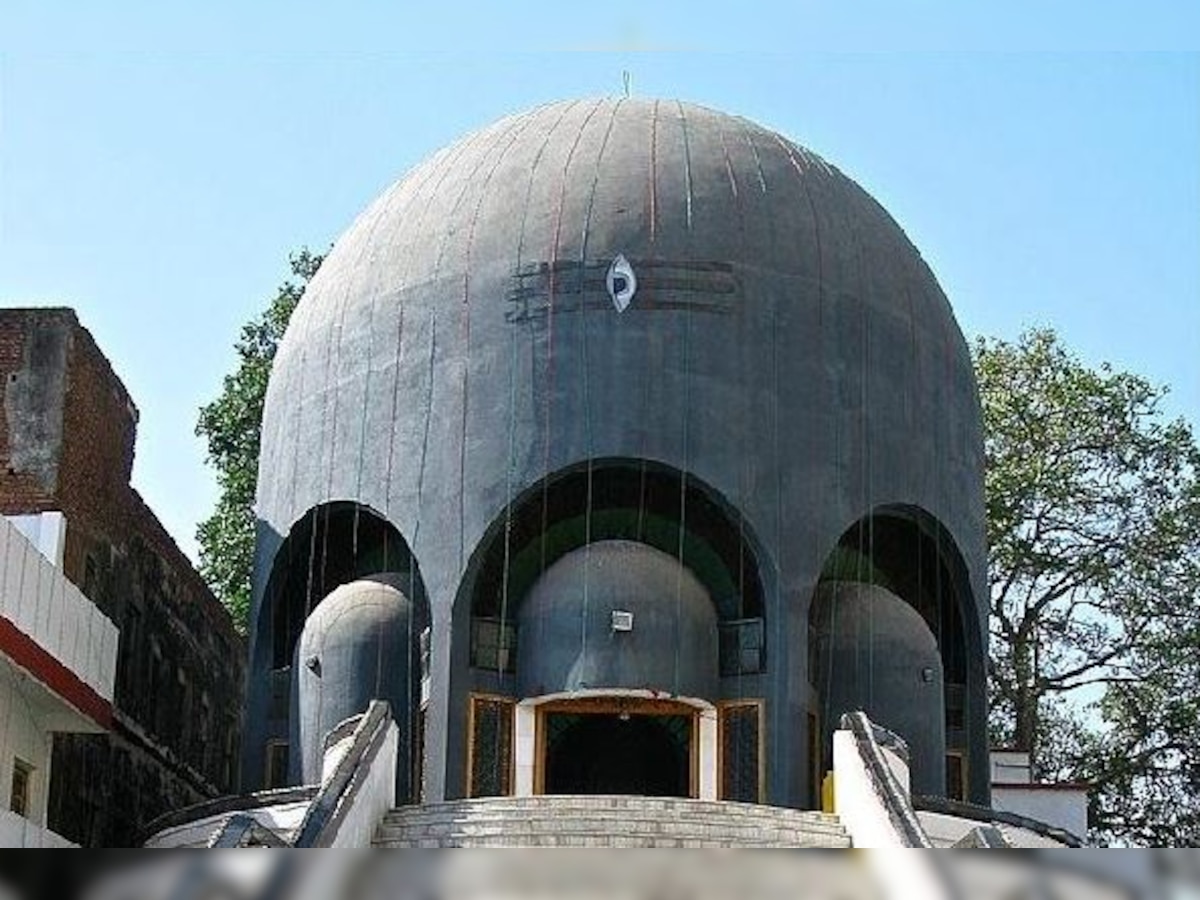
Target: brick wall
(99, 429)
(32, 372)
(67, 435)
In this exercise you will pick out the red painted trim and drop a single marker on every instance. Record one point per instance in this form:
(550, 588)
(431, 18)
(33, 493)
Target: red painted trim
(33, 657)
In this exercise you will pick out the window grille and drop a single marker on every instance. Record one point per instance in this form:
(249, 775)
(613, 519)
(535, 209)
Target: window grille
(741, 751)
(493, 645)
(491, 758)
(742, 647)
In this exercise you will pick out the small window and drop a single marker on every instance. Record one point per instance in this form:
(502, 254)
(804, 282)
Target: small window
(816, 760)
(280, 696)
(91, 578)
(204, 734)
(277, 764)
(185, 730)
(490, 754)
(740, 750)
(493, 645)
(956, 776)
(228, 751)
(955, 706)
(22, 787)
(130, 660)
(742, 647)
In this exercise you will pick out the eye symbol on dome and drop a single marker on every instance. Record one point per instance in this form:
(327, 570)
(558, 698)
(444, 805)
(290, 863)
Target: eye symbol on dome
(621, 283)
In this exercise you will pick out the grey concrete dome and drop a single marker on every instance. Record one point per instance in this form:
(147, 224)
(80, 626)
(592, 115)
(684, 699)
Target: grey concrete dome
(786, 352)
(515, 225)
(585, 180)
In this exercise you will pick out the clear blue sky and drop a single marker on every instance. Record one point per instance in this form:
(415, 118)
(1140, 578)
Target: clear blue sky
(157, 165)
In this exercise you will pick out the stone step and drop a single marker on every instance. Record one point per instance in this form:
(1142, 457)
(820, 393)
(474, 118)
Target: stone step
(558, 821)
(566, 822)
(534, 823)
(626, 805)
(574, 820)
(607, 841)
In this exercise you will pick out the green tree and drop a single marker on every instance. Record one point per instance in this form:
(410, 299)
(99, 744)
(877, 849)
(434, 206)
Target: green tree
(231, 425)
(1093, 512)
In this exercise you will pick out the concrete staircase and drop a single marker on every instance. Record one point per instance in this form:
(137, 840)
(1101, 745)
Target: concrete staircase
(602, 821)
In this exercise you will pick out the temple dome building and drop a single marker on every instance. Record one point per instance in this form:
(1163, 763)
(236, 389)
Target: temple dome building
(623, 398)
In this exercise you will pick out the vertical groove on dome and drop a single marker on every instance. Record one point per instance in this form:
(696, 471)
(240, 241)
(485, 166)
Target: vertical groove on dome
(585, 366)
(425, 418)
(385, 299)
(595, 182)
(654, 174)
(687, 165)
(466, 314)
(426, 205)
(555, 249)
(533, 177)
(733, 185)
(365, 261)
(746, 128)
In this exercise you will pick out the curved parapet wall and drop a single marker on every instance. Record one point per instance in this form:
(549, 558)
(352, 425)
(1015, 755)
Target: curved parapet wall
(636, 280)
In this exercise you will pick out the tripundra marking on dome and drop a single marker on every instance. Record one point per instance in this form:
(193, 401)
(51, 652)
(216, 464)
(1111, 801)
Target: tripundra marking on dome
(570, 286)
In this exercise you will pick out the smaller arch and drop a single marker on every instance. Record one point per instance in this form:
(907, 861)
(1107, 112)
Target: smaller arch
(905, 553)
(908, 551)
(331, 545)
(619, 499)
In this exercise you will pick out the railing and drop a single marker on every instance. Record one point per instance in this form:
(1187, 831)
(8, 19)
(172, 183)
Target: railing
(54, 615)
(357, 785)
(891, 794)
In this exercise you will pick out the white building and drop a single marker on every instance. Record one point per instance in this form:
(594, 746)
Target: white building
(58, 656)
(1014, 790)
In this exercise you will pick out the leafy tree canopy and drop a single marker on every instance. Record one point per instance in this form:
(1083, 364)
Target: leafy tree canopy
(1093, 511)
(231, 425)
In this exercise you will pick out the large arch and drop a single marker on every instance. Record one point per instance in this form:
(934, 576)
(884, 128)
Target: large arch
(604, 500)
(331, 545)
(904, 552)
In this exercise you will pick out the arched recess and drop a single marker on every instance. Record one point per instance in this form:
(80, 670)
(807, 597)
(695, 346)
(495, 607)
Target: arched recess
(331, 545)
(612, 499)
(910, 555)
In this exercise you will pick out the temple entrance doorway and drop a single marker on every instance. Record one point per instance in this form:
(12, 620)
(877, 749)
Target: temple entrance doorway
(617, 746)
